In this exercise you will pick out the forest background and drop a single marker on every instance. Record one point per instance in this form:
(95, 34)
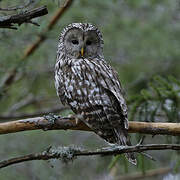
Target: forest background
(141, 43)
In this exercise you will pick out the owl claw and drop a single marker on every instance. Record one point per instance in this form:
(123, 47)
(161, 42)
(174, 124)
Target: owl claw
(78, 118)
(51, 118)
(77, 121)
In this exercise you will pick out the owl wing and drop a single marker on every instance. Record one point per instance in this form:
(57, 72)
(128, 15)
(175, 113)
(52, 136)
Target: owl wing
(59, 84)
(107, 78)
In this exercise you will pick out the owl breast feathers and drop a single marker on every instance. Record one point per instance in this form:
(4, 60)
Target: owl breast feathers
(90, 86)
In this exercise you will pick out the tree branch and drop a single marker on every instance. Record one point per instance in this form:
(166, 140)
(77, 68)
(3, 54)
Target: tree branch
(25, 17)
(69, 153)
(65, 123)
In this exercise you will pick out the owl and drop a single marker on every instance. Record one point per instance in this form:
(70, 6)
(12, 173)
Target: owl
(90, 86)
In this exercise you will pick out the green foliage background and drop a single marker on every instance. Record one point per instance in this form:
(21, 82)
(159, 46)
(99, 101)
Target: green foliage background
(141, 41)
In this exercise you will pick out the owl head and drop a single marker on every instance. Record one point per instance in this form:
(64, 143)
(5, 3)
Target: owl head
(80, 40)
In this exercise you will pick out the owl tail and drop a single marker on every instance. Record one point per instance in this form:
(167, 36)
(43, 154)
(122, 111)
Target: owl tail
(125, 141)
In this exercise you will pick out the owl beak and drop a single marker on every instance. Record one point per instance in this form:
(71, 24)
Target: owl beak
(82, 51)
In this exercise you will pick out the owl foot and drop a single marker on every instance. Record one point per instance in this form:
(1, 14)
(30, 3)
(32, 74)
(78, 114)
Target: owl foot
(51, 118)
(78, 118)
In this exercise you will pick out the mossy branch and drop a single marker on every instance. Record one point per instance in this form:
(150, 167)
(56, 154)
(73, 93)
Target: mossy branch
(67, 154)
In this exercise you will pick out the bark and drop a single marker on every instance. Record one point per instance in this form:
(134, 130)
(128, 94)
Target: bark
(67, 154)
(24, 17)
(65, 123)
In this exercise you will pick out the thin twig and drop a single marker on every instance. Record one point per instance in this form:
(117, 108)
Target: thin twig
(148, 156)
(68, 153)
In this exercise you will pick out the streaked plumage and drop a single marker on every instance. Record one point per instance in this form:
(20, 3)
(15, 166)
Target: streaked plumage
(89, 85)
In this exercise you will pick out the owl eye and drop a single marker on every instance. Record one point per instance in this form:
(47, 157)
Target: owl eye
(88, 42)
(75, 42)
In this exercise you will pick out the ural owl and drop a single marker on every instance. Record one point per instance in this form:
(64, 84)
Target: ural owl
(90, 86)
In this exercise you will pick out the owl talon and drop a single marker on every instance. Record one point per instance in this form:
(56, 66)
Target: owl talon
(51, 118)
(77, 121)
(78, 118)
